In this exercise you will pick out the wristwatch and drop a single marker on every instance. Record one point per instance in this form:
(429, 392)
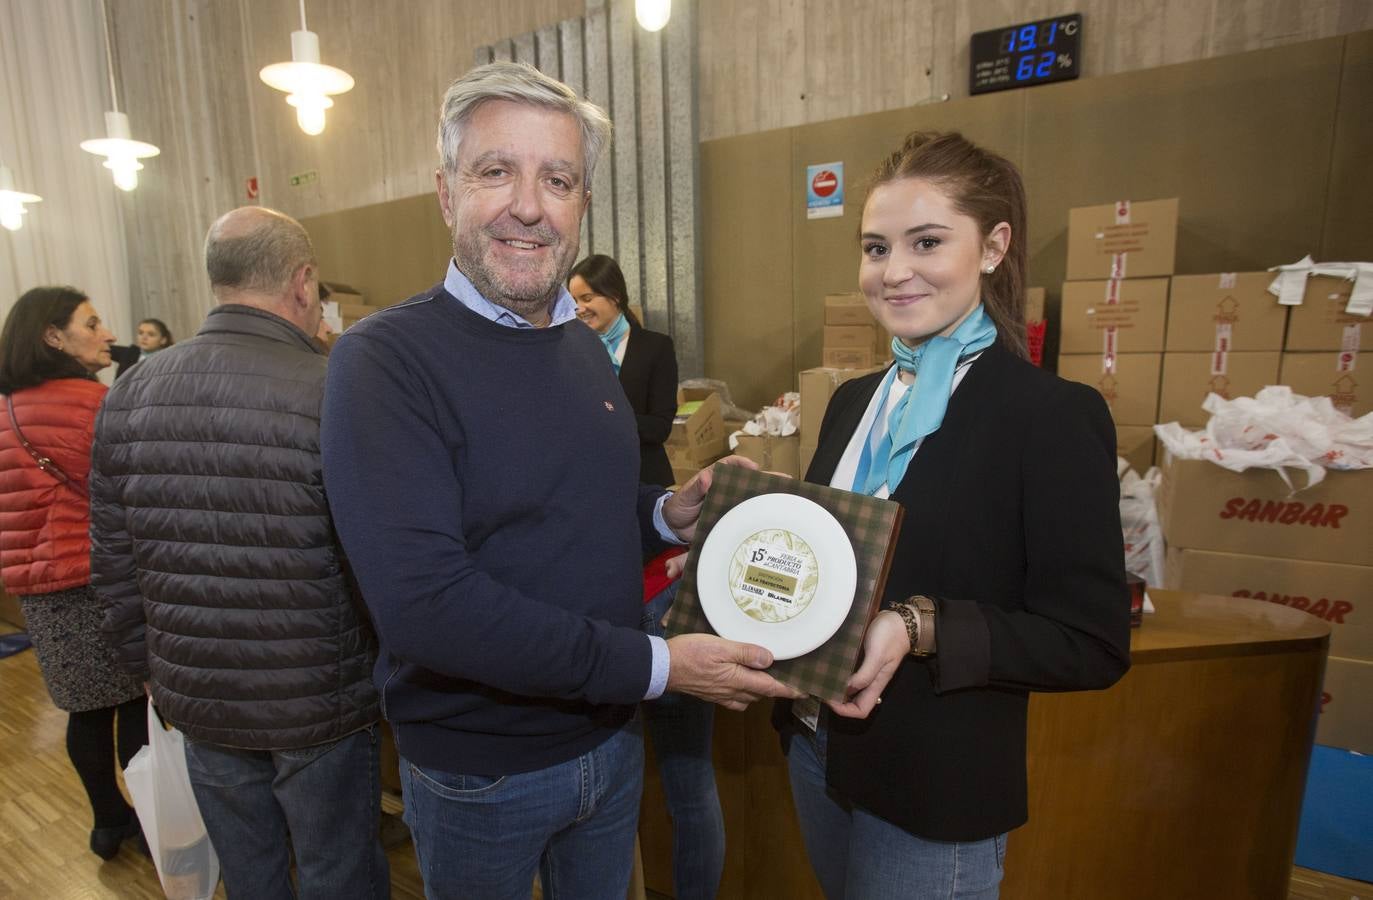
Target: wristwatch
(918, 614)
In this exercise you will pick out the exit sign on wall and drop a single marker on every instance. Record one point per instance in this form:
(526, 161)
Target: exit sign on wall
(1028, 54)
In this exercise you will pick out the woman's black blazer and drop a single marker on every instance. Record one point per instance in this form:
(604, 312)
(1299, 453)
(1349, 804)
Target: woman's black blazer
(1012, 524)
(648, 374)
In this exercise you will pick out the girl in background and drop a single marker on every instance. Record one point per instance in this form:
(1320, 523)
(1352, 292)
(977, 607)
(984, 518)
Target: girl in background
(153, 335)
(645, 360)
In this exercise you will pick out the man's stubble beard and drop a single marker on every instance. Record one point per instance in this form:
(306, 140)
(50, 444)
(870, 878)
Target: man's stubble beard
(525, 303)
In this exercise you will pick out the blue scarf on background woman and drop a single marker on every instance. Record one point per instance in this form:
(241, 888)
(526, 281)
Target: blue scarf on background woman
(612, 337)
(920, 411)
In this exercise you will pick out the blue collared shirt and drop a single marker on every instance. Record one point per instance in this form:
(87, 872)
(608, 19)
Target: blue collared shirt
(456, 283)
(564, 310)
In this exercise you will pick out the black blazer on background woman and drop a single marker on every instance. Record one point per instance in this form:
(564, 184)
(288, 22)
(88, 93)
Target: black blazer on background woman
(1012, 524)
(648, 375)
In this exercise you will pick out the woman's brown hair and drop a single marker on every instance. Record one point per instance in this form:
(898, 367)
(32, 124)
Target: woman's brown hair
(987, 188)
(26, 359)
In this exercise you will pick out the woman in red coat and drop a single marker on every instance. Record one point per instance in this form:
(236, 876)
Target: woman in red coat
(52, 345)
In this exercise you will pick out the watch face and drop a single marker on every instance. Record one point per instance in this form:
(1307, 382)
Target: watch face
(773, 575)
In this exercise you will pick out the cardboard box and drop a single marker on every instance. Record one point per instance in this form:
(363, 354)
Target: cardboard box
(1124, 239)
(682, 474)
(847, 309)
(700, 438)
(1230, 311)
(856, 336)
(355, 311)
(1338, 594)
(816, 387)
(1204, 507)
(1131, 391)
(343, 293)
(1113, 316)
(1034, 304)
(772, 452)
(1135, 444)
(1189, 377)
(848, 358)
(1321, 322)
(1346, 378)
(808, 448)
(10, 611)
(1346, 718)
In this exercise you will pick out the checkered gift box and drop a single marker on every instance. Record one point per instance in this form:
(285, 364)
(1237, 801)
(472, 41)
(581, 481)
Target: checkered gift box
(871, 525)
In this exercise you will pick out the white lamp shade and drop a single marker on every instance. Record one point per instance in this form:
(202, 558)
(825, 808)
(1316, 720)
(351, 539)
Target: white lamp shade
(117, 143)
(7, 188)
(304, 74)
(12, 202)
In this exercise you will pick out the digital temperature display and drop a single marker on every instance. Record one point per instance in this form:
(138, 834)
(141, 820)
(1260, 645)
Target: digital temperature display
(1033, 53)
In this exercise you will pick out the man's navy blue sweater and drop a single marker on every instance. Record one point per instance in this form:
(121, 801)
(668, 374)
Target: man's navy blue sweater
(483, 480)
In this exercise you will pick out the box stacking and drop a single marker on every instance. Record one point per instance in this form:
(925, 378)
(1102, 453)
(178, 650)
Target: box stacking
(1327, 352)
(1115, 306)
(853, 339)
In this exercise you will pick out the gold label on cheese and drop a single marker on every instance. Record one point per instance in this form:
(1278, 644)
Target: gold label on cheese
(773, 575)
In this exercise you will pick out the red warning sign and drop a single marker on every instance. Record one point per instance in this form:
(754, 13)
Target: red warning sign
(824, 183)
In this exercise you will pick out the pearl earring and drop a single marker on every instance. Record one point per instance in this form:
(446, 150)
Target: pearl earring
(990, 269)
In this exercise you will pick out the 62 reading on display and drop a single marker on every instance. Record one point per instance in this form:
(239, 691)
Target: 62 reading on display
(1033, 53)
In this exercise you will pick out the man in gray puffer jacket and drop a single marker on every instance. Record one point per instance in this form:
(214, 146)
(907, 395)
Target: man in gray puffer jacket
(224, 585)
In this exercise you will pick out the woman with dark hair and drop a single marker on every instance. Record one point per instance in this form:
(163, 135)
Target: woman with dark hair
(153, 335)
(1008, 575)
(645, 360)
(52, 344)
(679, 726)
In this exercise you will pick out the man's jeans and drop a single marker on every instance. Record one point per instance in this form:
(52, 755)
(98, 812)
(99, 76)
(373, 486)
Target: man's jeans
(857, 856)
(574, 823)
(323, 801)
(680, 727)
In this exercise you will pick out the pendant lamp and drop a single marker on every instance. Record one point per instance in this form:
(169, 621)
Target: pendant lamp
(121, 154)
(306, 82)
(12, 202)
(652, 14)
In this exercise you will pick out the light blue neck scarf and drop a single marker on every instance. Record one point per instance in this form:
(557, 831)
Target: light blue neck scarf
(612, 337)
(920, 411)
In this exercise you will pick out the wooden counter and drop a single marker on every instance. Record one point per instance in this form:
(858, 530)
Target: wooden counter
(1183, 780)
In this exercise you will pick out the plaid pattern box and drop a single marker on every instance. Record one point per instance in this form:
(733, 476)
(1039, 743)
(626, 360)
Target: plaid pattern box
(871, 526)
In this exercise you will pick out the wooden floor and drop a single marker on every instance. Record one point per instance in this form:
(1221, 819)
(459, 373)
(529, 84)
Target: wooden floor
(45, 820)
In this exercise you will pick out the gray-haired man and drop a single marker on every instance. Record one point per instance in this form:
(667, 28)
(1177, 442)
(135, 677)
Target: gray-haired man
(481, 462)
(212, 549)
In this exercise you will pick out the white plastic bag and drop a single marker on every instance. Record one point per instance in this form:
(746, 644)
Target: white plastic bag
(1275, 429)
(162, 797)
(1140, 526)
(782, 418)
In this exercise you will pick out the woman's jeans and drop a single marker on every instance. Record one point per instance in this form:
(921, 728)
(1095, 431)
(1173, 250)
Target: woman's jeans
(857, 856)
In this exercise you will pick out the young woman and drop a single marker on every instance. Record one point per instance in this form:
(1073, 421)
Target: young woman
(153, 335)
(1009, 570)
(645, 360)
(52, 345)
